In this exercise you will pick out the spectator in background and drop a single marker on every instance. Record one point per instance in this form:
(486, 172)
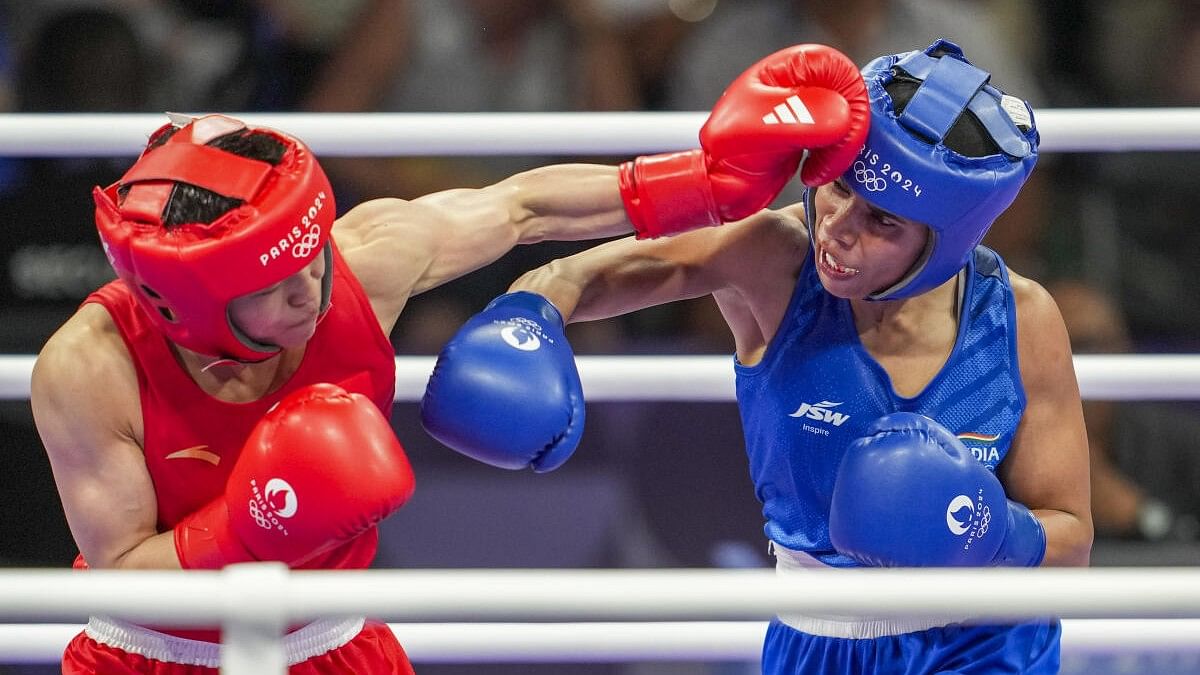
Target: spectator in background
(1145, 465)
(1134, 230)
(719, 47)
(193, 55)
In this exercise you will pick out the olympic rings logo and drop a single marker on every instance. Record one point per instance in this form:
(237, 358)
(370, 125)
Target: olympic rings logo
(870, 180)
(984, 521)
(304, 247)
(259, 517)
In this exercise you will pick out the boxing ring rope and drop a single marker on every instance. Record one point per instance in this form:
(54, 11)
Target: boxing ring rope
(260, 598)
(1111, 377)
(573, 133)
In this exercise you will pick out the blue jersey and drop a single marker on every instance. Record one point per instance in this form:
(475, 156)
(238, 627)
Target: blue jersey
(817, 389)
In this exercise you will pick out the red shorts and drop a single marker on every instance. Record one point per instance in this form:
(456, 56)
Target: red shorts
(374, 649)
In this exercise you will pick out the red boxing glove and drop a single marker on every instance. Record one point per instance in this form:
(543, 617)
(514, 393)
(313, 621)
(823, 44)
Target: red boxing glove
(322, 467)
(806, 97)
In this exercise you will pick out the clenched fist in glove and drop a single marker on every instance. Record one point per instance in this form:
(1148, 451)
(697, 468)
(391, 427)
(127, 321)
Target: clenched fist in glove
(806, 97)
(505, 390)
(322, 467)
(910, 494)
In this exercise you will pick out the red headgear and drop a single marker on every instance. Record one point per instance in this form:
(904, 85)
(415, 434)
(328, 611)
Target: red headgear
(185, 276)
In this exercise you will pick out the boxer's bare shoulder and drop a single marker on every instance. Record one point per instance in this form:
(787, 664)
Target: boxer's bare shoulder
(84, 372)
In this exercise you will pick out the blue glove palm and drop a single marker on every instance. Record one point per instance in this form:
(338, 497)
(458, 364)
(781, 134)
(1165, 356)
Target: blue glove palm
(909, 494)
(505, 389)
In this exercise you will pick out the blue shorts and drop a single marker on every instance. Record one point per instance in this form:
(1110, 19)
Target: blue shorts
(1023, 648)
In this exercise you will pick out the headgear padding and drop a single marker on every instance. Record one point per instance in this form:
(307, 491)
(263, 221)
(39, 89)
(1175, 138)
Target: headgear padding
(185, 275)
(906, 169)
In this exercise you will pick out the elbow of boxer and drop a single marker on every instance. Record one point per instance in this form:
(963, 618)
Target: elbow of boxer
(1068, 538)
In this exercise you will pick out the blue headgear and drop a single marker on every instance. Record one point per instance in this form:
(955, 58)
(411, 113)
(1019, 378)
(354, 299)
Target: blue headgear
(906, 169)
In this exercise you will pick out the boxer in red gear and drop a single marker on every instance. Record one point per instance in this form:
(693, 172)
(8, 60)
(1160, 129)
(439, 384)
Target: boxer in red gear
(238, 287)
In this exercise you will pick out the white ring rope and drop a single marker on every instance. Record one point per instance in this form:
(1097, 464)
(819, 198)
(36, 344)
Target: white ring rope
(258, 598)
(1112, 377)
(623, 642)
(616, 133)
(198, 598)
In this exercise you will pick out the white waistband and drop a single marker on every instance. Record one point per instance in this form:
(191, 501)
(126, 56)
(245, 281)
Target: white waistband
(300, 645)
(789, 562)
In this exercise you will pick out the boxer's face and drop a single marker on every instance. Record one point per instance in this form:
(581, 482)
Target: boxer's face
(285, 313)
(860, 248)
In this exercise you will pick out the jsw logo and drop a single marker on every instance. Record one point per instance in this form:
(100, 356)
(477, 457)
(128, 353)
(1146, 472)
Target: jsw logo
(821, 412)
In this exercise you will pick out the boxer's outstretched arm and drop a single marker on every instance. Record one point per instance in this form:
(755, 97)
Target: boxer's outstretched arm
(400, 248)
(739, 264)
(629, 274)
(505, 389)
(1047, 467)
(84, 395)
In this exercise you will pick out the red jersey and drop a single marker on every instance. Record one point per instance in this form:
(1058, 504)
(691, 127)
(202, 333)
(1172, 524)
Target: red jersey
(192, 439)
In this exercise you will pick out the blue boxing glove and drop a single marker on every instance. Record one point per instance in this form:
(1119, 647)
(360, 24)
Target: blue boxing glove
(505, 390)
(909, 494)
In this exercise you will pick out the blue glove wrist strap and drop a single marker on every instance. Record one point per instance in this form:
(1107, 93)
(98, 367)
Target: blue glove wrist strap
(531, 302)
(1024, 542)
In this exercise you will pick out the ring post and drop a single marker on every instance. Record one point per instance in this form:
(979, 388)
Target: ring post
(252, 629)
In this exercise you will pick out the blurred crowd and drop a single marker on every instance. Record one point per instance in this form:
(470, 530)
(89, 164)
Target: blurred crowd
(1110, 234)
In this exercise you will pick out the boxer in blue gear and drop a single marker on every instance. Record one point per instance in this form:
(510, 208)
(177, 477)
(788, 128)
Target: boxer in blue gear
(906, 399)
